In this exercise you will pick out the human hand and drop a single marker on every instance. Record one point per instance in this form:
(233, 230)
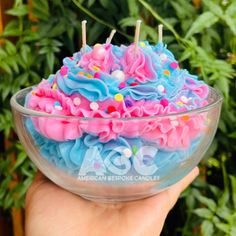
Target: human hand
(53, 211)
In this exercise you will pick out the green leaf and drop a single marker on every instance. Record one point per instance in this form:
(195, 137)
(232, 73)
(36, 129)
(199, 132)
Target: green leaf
(50, 60)
(5, 67)
(231, 23)
(207, 228)
(133, 8)
(204, 213)
(128, 21)
(90, 3)
(12, 29)
(208, 202)
(20, 159)
(214, 8)
(224, 213)
(10, 47)
(233, 186)
(205, 20)
(105, 3)
(223, 227)
(20, 10)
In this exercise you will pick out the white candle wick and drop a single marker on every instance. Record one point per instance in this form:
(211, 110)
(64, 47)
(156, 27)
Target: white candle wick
(160, 33)
(110, 36)
(137, 33)
(84, 34)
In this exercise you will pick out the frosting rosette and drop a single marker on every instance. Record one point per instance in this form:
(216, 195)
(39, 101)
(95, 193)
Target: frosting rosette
(106, 90)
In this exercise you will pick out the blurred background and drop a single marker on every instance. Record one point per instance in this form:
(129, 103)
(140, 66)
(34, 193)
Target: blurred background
(35, 35)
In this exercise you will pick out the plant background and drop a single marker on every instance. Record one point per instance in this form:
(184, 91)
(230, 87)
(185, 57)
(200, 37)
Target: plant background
(202, 35)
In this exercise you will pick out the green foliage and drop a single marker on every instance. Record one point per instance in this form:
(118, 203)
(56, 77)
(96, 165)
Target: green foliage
(203, 38)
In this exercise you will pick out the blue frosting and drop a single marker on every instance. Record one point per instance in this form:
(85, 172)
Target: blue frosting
(93, 90)
(69, 155)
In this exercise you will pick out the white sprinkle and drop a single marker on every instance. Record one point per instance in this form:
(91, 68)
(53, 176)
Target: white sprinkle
(77, 101)
(163, 56)
(119, 74)
(94, 106)
(161, 88)
(174, 123)
(59, 108)
(127, 152)
(184, 99)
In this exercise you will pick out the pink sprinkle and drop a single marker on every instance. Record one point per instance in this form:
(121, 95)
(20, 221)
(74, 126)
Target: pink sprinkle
(96, 75)
(121, 85)
(97, 165)
(164, 102)
(174, 65)
(72, 58)
(63, 70)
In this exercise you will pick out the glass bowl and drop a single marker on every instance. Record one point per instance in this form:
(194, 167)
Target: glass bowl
(144, 156)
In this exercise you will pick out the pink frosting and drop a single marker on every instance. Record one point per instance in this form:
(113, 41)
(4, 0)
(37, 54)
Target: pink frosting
(100, 58)
(137, 64)
(168, 133)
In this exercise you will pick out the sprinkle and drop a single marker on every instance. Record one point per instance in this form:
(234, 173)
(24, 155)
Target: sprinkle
(160, 88)
(128, 103)
(97, 165)
(80, 73)
(54, 86)
(57, 103)
(94, 106)
(185, 118)
(164, 102)
(134, 84)
(118, 74)
(166, 72)
(174, 122)
(89, 76)
(96, 75)
(127, 152)
(33, 93)
(64, 70)
(111, 109)
(96, 68)
(184, 99)
(119, 97)
(163, 56)
(122, 85)
(77, 101)
(99, 53)
(134, 149)
(174, 65)
(179, 103)
(57, 106)
(142, 44)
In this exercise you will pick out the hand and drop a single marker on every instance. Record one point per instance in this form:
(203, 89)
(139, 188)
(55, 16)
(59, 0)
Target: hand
(53, 211)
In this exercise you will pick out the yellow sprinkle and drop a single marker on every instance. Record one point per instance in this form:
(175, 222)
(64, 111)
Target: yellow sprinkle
(33, 93)
(119, 97)
(142, 44)
(96, 68)
(166, 72)
(179, 103)
(54, 86)
(89, 76)
(80, 73)
(185, 118)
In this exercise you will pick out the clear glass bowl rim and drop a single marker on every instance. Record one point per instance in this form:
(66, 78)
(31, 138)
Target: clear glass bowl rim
(29, 112)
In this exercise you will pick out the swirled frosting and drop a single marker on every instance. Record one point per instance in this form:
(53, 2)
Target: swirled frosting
(107, 81)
